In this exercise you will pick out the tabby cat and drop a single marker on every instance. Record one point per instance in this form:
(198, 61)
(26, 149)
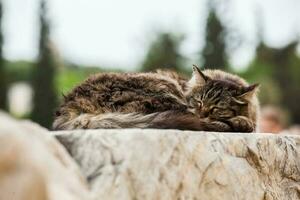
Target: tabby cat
(211, 100)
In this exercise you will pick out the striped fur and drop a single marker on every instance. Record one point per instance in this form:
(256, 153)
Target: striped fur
(160, 100)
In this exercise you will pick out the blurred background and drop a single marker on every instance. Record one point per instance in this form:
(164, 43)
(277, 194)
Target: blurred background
(47, 47)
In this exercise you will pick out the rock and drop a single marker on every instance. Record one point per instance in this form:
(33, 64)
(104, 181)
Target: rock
(145, 164)
(171, 164)
(34, 166)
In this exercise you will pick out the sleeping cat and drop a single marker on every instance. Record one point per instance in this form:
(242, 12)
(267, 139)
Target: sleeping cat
(211, 100)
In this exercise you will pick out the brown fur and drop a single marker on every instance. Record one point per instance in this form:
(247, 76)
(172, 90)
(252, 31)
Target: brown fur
(159, 100)
(224, 97)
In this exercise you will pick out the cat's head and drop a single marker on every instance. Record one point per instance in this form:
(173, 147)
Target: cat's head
(219, 98)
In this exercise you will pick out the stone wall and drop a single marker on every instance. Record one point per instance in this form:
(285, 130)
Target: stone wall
(147, 164)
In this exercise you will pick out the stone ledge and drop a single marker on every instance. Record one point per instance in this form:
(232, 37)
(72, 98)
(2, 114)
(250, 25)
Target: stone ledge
(145, 164)
(172, 164)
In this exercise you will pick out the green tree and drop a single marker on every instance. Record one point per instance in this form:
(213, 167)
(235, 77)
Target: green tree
(164, 53)
(45, 99)
(259, 71)
(214, 55)
(3, 76)
(286, 74)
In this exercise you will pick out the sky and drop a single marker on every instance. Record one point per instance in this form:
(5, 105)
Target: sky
(116, 33)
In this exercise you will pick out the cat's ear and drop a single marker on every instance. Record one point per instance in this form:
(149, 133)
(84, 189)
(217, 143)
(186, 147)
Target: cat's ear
(249, 91)
(198, 77)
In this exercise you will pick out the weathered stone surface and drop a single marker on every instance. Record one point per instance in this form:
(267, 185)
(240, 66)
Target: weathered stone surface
(170, 164)
(34, 166)
(146, 164)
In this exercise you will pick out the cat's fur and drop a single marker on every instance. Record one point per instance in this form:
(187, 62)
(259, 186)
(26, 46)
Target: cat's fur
(210, 101)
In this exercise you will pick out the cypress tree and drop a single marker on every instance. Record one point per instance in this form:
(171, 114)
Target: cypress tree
(3, 76)
(44, 99)
(164, 53)
(214, 54)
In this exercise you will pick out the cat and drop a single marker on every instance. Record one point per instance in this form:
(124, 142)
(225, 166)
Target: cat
(211, 100)
(225, 97)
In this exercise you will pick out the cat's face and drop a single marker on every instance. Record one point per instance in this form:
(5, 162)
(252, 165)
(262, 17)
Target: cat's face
(219, 99)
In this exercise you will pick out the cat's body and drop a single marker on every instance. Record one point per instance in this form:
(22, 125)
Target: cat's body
(146, 100)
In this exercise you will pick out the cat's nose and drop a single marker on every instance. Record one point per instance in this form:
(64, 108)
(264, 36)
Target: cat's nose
(204, 113)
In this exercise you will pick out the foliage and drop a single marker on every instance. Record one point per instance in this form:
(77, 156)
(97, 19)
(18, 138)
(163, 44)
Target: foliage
(214, 55)
(44, 100)
(68, 78)
(164, 53)
(19, 71)
(285, 65)
(278, 72)
(259, 72)
(3, 75)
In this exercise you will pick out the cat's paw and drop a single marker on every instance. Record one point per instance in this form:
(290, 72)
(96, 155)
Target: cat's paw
(241, 124)
(217, 126)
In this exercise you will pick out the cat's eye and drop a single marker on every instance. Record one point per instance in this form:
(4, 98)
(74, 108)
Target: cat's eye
(213, 110)
(218, 110)
(196, 102)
